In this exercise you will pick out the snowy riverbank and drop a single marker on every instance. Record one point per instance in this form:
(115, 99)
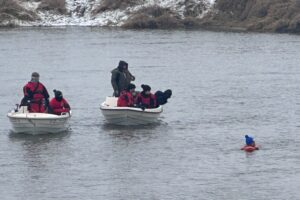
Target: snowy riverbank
(246, 15)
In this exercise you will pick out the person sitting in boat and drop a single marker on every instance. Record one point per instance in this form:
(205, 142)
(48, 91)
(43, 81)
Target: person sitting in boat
(249, 141)
(146, 99)
(162, 97)
(58, 104)
(126, 99)
(121, 78)
(36, 96)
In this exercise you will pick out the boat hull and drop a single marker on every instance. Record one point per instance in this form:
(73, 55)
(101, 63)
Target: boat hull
(128, 115)
(38, 123)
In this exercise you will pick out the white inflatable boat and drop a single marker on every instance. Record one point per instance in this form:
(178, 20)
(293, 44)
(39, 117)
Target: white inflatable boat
(37, 123)
(128, 115)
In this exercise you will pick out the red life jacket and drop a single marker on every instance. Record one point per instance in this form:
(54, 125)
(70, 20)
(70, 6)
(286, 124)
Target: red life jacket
(146, 101)
(125, 99)
(36, 93)
(59, 107)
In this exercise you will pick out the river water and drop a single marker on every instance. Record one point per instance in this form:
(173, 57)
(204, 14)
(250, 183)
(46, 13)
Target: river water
(225, 85)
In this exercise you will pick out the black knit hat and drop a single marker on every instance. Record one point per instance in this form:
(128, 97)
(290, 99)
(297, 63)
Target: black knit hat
(57, 93)
(146, 87)
(35, 74)
(130, 86)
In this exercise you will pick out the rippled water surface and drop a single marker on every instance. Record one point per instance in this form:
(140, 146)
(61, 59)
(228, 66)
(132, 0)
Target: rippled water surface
(225, 85)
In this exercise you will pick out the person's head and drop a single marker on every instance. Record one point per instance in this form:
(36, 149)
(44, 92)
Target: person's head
(122, 65)
(168, 93)
(247, 136)
(249, 140)
(58, 95)
(146, 89)
(35, 77)
(131, 87)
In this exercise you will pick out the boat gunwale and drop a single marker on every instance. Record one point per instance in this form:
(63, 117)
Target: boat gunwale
(14, 115)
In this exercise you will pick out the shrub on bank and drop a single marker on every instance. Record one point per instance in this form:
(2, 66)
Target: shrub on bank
(153, 17)
(191, 22)
(10, 10)
(53, 5)
(194, 8)
(267, 15)
(108, 5)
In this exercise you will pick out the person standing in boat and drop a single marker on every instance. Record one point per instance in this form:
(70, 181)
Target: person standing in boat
(126, 98)
(121, 78)
(58, 104)
(146, 99)
(36, 96)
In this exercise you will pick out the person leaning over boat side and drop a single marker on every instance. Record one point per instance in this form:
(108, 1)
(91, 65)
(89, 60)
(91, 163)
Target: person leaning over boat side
(121, 78)
(146, 99)
(162, 97)
(126, 99)
(36, 96)
(58, 104)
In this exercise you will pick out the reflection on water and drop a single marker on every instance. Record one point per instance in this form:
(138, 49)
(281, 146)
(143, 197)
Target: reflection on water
(40, 138)
(109, 127)
(38, 157)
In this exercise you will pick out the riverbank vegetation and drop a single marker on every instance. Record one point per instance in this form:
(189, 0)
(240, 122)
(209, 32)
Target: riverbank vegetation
(10, 10)
(110, 5)
(156, 17)
(58, 6)
(256, 15)
(153, 17)
(248, 15)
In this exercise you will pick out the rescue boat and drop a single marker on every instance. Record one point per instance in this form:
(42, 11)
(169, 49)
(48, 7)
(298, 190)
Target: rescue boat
(37, 123)
(128, 115)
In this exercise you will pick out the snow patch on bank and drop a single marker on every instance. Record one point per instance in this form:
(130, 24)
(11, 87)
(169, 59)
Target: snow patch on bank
(79, 13)
(28, 5)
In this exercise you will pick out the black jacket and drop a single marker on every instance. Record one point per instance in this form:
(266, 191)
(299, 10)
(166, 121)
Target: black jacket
(120, 80)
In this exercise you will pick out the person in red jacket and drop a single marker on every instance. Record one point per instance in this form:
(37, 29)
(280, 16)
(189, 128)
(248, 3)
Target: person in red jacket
(126, 99)
(58, 104)
(36, 96)
(146, 99)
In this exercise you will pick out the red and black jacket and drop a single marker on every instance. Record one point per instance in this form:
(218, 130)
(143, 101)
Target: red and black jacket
(35, 93)
(58, 107)
(125, 99)
(147, 101)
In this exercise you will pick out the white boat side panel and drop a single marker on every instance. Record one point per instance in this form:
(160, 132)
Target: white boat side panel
(128, 115)
(38, 123)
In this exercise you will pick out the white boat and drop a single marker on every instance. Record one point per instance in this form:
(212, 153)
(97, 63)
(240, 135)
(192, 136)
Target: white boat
(37, 123)
(128, 115)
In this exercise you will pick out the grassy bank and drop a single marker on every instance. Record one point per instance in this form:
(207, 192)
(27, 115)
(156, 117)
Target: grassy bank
(256, 15)
(58, 6)
(247, 15)
(10, 10)
(110, 5)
